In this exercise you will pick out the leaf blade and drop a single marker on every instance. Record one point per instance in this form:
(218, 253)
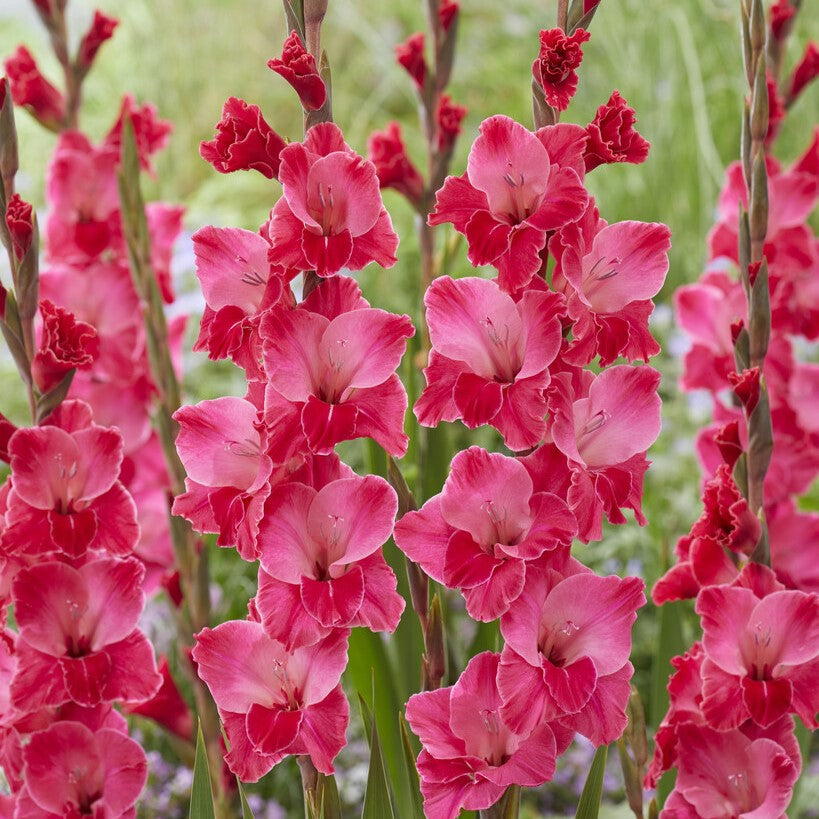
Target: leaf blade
(589, 805)
(201, 806)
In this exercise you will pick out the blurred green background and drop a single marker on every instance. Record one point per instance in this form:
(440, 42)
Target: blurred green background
(678, 64)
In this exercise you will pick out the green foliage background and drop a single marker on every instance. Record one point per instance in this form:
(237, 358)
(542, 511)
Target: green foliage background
(676, 61)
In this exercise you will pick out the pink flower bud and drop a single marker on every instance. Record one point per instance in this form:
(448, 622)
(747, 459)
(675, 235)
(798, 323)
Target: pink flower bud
(448, 117)
(447, 14)
(806, 70)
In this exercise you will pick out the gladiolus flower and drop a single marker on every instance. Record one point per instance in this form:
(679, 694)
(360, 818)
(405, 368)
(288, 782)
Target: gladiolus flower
(79, 639)
(321, 553)
(482, 530)
(490, 358)
(612, 137)
(65, 344)
(298, 67)
(150, 132)
(604, 425)
(766, 647)
(331, 364)
(568, 640)
(515, 190)
(65, 495)
(244, 141)
(272, 701)
(470, 754)
(72, 771)
(330, 215)
(555, 68)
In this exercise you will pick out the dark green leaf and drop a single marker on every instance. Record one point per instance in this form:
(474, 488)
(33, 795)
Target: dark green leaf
(377, 801)
(201, 794)
(416, 804)
(589, 805)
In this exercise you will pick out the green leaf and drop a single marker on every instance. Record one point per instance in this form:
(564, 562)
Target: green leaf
(247, 813)
(201, 794)
(803, 737)
(589, 805)
(416, 804)
(377, 801)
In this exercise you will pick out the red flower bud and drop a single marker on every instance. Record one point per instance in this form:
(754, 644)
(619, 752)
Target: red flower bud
(737, 326)
(101, 29)
(447, 12)
(448, 117)
(298, 67)
(386, 150)
(555, 67)
(807, 69)
(66, 343)
(781, 14)
(746, 387)
(410, 55)
(244, 141)
(612, 137)
(33, 91)
(19, 222)
(776, 110)
(150, 132)
(728, 443)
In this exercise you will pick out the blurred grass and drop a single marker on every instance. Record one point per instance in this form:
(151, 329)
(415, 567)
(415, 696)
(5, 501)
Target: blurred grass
(677, 63)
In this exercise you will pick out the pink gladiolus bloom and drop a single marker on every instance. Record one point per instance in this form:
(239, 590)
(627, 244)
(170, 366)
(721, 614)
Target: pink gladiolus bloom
(238, 284)
(298, 67)
(71, 771)
(766, 647)
(568, 640)
(794, 537)
(330, 215)
(78, 636)
(222, 446)
(479, 533)
(167, 707)
(604, 424)
(322, 561)
(470, 753)
(83, 200)
(518, 186)
(705, 311)
(272, 701)
(65, 494)
(331, 369)
(609, 274)
(730, 774)
(150, 132)
(726, 531)
(490, 358)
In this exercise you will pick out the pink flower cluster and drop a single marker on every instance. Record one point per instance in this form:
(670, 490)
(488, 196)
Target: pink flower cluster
(729, 728)
(262, 471)
(68, 536)
(512, 352)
